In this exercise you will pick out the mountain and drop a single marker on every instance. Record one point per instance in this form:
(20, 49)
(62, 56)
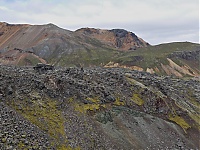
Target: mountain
(117, 38)
(30, 44)
(97, 108)
(107, 89)
(49, 41)
(45, 41)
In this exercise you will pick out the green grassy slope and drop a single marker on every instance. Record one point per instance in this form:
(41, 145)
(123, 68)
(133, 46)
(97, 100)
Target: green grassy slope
(148, 57)
(154, 55)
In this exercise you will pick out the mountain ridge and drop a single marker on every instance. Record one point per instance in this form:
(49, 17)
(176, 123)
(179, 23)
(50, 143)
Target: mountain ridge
(94, 47)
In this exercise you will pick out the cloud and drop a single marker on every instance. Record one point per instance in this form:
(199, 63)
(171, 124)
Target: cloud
(2, 8)
(146, 17)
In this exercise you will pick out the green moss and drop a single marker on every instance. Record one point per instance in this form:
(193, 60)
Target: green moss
(180, 121)
(94, 100)
(47, 117)
(192, 107)
(44, 114)
(83, 108)
(4, 140)
(20, 145)
(137, 99)
(71, 100)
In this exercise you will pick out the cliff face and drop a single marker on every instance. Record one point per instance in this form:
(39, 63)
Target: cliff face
(117, 38)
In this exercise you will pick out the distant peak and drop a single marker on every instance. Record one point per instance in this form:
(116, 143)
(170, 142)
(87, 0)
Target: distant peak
(51, 24)
(119, 32)
(8, 24)
(4, 23)
(117, 38)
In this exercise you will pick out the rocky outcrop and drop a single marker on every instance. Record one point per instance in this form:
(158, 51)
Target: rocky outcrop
(117, 65)
(187, 55)
(117, 38)
(97, 108)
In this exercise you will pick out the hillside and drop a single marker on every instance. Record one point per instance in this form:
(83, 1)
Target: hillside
(178, 59)
(26, 45)
(97, 108)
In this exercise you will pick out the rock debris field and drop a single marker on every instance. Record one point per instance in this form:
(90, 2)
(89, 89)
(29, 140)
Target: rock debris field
(97, 108)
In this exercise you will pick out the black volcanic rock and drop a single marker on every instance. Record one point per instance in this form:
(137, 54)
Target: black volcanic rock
(188, 55)
(119, 32)
(97, 108)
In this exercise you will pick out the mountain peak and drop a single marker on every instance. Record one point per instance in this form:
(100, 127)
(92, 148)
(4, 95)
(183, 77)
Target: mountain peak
(117, 38)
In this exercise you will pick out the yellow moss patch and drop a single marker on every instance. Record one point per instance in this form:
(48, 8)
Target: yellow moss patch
(71, 100)
(137, 99)
(94, 100)
(192, 112)
(51, 119)
(84, 107)
(180, 121)
(35, 95)
(44, 114)
(67, 148)
(20, 145)
(118, 102)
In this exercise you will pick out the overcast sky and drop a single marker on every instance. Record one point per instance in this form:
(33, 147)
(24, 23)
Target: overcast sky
(156, 21)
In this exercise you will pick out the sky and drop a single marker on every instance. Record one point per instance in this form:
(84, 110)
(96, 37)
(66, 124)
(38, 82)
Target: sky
(155, 21)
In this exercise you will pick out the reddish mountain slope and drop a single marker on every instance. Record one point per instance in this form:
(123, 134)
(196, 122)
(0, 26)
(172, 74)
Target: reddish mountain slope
(117, 38)
(45, 41)
(26, 36)
(51, 43)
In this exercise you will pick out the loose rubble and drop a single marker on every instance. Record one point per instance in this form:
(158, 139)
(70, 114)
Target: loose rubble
(97, 108)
